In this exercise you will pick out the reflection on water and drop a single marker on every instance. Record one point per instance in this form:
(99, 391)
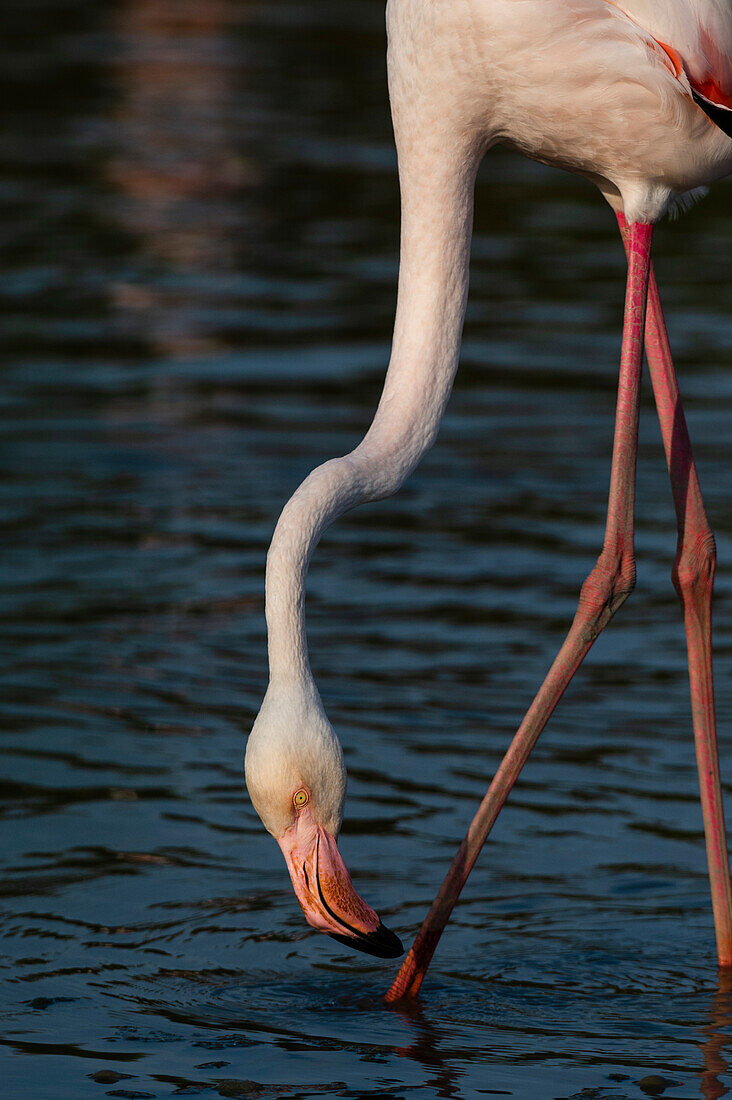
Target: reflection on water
(716, 1067)
(199, 213)
(175, 168)
(441, 1072)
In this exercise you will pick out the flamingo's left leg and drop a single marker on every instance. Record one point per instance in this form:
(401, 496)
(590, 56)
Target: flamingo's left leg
(606, 588)
(693, 577)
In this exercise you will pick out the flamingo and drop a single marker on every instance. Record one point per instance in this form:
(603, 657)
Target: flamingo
(635, 95)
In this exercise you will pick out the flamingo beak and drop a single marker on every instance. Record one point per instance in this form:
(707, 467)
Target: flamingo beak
(324, 889)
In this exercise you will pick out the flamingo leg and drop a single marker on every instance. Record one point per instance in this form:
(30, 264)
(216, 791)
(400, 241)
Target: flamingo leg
(693, 577)
(605, 589)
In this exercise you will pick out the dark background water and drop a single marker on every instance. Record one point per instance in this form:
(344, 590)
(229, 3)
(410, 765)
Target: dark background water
(199, 218)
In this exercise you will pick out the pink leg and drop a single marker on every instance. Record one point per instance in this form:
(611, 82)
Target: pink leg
(693, 577)
(607, 587)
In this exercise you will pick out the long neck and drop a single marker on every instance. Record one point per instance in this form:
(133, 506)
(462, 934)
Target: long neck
(437, 210)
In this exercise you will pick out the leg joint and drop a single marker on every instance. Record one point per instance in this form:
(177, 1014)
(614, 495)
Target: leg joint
(606, 589)
(693, 569)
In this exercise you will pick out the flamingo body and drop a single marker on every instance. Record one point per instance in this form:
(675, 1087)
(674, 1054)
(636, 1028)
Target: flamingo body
(637, 97)
(584, 85)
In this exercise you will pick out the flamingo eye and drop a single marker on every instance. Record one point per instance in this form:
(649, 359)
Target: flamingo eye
(301, 798)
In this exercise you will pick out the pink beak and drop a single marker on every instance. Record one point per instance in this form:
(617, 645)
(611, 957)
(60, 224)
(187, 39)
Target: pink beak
(324, 889)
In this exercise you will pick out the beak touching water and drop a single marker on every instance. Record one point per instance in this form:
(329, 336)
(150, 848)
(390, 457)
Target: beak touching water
(324, 889)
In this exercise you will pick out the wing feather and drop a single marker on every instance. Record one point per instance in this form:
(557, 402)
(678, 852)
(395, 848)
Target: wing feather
(696, 35)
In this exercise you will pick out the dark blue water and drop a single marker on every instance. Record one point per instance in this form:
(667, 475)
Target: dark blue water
(199, 216)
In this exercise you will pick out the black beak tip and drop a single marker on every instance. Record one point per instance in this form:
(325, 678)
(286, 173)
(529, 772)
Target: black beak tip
(383, 942)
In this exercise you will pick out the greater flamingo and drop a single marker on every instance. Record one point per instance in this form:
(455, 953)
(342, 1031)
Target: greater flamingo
(636, 95)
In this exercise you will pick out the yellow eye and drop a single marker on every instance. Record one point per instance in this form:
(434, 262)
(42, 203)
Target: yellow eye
(300, 798)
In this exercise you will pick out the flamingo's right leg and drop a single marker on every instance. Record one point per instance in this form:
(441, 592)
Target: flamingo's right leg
(693, 577)
(606, 588)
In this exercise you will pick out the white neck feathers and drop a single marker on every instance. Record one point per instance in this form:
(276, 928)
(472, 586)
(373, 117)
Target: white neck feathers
(437, 207)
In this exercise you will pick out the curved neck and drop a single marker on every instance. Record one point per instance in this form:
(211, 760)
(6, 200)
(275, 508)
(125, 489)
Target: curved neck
(437, 210)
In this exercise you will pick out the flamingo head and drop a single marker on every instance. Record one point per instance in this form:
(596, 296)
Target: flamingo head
(297, 783)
